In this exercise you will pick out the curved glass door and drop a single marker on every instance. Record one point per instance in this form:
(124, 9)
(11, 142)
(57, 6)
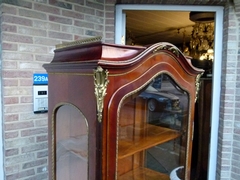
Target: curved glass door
(71, 148)
(152, 132)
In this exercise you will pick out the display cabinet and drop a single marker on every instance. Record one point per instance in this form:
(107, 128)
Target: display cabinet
(120, 112)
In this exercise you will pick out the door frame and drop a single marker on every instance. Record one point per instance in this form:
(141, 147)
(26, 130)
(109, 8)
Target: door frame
(1, 139)
(120, 26)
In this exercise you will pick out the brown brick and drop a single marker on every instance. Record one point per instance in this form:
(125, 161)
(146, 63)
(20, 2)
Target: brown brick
(9, 9)
(110, 35)
(84, 10)
(109, 21)
(42, 169)
(17, 20)
(32, 31)
(72, 30)
(11, 100)
(25, 82)
(17, 56)
(41, 122)
(42, 176)
(81, 24)
(11, 152)
(32, 14)
(42, 138)
(78, 37)
(99, 27)
(10, 65)
(31, 132)
(46, 25)
(72, 14)
(17, 74)
(110, 15)
(237, 131)
(44, 58)
(93, 33)
(76, 1)
(9, 46)
(10, 135)
(31, 116)
(46, 8)
(19, 125)
(10, 82)
(109, 7)
(21, 174)
(95, 5)
(32, 48)
(11, 117)
(34, 163)
(59, 35)
(12, 169)
(9, 28)
(21, 3)
(19, 142)
(17, 38)
(42, 154)
(60, 4)
(17, 108)
(101, 14)
(34, 147)
(94, 19)
(26, 99)
(61, 20)
(13, 91)
(110, 29)
(46, 41)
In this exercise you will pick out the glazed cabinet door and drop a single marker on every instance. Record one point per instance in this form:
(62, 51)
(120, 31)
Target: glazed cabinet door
(152, 132)
(71, 148)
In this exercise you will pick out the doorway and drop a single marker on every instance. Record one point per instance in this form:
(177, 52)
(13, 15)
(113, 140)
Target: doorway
(122, 31)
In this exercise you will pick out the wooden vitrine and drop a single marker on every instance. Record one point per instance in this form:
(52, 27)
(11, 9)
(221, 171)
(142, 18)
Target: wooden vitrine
(120, 112)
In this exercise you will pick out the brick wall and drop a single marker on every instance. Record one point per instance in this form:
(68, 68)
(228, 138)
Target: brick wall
(235, 164)
(228, 93)
(29, 32)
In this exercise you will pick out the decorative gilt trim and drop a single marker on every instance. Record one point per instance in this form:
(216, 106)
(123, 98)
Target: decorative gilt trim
(197, 84)
(160, 48)
(100, 81)
(173, 49)
(79, 42)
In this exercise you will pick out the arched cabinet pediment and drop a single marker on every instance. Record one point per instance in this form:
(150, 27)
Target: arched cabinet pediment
(138, 103)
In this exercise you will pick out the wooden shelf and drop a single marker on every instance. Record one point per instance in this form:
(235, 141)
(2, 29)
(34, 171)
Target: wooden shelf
(144, 174)
(150, 136)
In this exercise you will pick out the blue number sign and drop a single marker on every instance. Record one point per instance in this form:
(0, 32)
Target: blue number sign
(40, 79)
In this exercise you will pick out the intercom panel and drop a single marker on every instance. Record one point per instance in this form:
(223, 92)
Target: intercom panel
(40, 98)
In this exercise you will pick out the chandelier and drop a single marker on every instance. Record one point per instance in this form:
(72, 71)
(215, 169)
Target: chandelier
(202, 40)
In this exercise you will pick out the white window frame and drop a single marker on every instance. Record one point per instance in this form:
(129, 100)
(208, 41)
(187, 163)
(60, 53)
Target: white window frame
(120, 26)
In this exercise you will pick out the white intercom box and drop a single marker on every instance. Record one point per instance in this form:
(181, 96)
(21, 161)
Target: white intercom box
(40, 98)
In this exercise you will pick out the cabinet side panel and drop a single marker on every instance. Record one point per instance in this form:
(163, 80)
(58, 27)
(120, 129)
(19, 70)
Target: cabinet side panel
(78, 91)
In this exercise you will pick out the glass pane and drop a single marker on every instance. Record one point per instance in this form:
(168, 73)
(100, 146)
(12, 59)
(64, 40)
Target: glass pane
(71, 144)
(152, 132)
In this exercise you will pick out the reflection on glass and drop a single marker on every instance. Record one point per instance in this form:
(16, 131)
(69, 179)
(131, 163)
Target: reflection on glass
(71, 144)
(152, 127)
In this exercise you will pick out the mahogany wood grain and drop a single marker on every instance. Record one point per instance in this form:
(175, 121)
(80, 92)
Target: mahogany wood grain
(144, 174)
(153, 135)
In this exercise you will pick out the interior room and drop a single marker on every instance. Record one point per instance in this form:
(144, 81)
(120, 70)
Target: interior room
(193, 34)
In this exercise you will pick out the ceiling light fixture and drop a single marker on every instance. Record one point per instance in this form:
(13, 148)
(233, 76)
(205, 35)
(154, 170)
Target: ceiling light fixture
(202, 40)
